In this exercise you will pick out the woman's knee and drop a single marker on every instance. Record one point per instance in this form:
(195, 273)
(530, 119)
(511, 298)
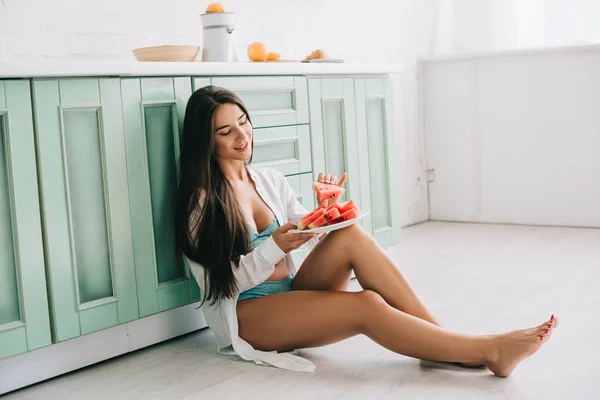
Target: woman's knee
(371, 299)
(354, 229)
(369, 306)
(347, 238)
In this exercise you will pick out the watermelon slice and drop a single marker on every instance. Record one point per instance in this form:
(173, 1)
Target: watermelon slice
(326, 191)
(336, 205)
(332, 214)
(310, 214)
(350, 214)
(343, 207)
(324, 218)
(322, 206)
(304, 222)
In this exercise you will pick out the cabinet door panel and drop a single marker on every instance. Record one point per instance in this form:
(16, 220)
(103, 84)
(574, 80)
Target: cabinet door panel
(85, 204)
(154, 109)
(24, 318)
(378, 165)
(333, 133)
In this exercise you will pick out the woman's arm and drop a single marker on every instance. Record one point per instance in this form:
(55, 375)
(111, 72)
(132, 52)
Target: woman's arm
(294, 209)
(252, 269)
(256, 266)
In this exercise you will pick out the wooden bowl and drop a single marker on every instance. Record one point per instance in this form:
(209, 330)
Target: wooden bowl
(167, 53)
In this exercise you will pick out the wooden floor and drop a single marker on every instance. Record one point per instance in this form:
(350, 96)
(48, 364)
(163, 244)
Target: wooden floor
(475, 278)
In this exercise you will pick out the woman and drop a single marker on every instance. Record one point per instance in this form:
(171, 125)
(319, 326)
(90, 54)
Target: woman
(233, 224)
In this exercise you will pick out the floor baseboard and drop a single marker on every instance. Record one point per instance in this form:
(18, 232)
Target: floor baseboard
(48, 362)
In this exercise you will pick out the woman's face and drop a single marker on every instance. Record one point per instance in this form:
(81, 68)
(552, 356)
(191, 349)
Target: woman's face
(233, 133)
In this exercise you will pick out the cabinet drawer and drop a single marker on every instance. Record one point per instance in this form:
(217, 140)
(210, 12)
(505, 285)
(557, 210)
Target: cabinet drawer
(286, 149)
(271, 101)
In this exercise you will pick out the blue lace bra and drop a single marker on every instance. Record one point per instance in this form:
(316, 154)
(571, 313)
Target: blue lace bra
(257, 238)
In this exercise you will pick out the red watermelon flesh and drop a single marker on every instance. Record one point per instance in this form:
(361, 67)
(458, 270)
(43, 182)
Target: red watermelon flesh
(324, 218)
(304, 222)
(326, 191)
(332, 214)
(347, 206)
(350, 214)
(336, 205)
(313, 212)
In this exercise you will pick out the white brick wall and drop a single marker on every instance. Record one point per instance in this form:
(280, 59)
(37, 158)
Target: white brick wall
(356, 30)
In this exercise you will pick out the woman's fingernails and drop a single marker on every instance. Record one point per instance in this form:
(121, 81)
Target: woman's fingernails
(552, 317)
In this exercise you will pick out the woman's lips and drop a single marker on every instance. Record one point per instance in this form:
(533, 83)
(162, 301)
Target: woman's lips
(243, 148)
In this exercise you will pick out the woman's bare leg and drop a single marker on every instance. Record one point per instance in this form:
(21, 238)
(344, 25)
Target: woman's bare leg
(281, 322)
(330, 263)
(329, 266)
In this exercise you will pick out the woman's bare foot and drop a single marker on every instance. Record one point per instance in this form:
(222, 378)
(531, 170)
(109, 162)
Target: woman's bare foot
(512, 348)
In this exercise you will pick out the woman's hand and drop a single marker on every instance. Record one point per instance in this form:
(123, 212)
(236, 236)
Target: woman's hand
(332, 180)
(288, 241)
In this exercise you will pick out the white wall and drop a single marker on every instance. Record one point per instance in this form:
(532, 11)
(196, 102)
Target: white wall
(356, 30)
(474, 26)
(515, 139)
(502, 133)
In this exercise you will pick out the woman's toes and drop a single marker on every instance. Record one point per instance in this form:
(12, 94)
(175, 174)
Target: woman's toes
(545, 335)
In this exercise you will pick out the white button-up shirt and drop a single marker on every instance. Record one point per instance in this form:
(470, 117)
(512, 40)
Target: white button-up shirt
(253, 269)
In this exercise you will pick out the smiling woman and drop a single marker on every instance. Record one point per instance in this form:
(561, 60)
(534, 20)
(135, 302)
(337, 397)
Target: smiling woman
(236, 135)
(233, 223)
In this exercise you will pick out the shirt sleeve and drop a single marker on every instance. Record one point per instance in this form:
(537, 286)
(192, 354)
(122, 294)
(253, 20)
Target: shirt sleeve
(255, 267)
(294, 209)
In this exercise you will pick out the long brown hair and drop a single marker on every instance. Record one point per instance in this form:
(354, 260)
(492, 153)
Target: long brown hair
(209, 224)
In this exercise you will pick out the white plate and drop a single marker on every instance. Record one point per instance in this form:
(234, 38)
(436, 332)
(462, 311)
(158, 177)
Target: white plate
(334, 227)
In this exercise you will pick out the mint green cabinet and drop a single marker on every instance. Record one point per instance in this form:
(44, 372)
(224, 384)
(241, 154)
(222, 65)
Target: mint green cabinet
(352, 130)
(24, 319)
(198, 83)
(285, 148)
(334, 133)
(379, 165)
(107, 153)
(85, 205)
(154, 109)
(271, 101)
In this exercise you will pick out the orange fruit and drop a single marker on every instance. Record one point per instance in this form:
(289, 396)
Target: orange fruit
(215, 7)
(316, 55)
(273, 56)
(257, 51)
(320, 54)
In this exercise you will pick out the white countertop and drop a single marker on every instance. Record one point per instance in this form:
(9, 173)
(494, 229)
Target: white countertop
(134, 68)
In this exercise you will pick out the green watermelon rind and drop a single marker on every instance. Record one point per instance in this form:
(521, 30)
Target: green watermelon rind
(319, 222)
(310, 217)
